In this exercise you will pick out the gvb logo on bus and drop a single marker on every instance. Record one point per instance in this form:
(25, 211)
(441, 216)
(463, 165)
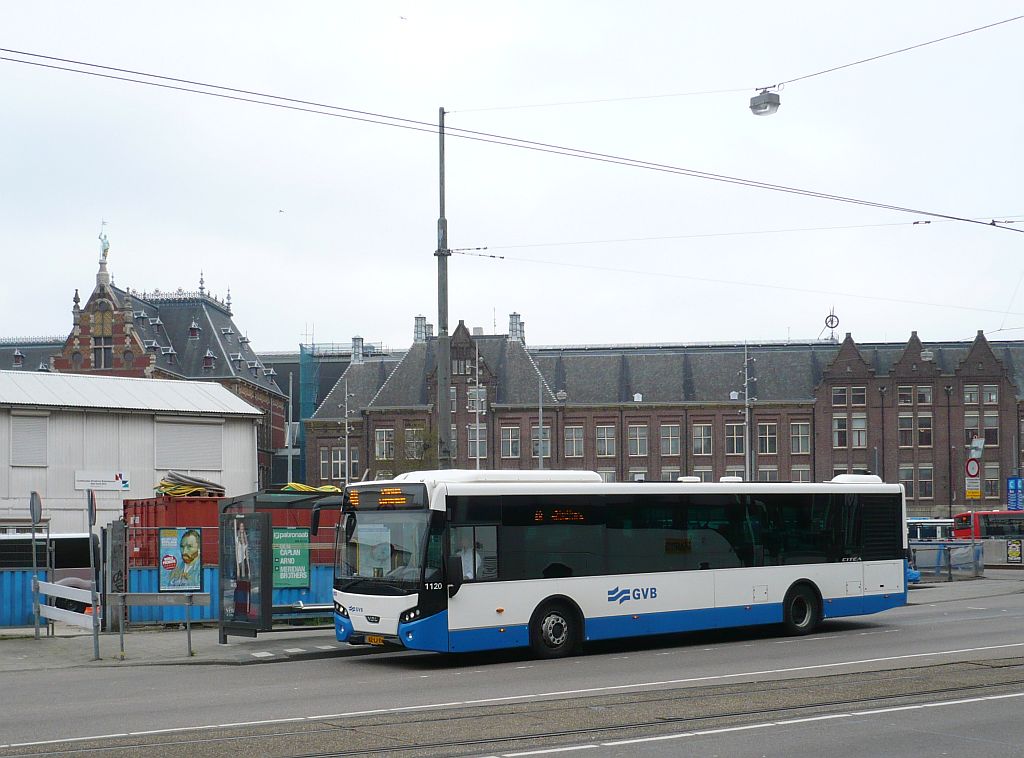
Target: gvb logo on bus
(621, 594)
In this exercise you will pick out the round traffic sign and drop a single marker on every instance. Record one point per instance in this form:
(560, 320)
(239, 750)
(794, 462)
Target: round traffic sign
(973, 468)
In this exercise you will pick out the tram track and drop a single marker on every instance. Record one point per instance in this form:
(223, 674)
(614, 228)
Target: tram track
(601, 715)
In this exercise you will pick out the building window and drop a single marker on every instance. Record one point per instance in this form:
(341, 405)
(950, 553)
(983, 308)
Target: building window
(605, 441)
(858, 395)
(414, 443)
(510, 442)
(606, 474)
(702, 439)
(574, 442)
(768, 440)
(859, 430)
(478, 440)
(452, 396)
(385, 447)
(991, 429)
(972, 427)
(703, 473)
(734, 439)
(325, 464)
(970, 394)
(102, 352)
(476, 397)
(460, 367)
(905, 430)
(907, 479)
(905, 395)
(767, 474)
(637, 439)
(800, 474)
(545, 441)
(800, 437)
(839, 471)
(925, 481)
(924, 394)
(669, 473)
(670, 439)
(455, 441)
(839, 396)
(839, 431)
(353, 463)
(924, 430)
(991, 480)
(638, 475)
(990, 394)
(337, 463)
(736, 471)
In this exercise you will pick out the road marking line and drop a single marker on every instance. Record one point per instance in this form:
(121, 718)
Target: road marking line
(295, 650)
(582, 691)
(326, 647)
(264, 721)
(262, 655)
(549, 751)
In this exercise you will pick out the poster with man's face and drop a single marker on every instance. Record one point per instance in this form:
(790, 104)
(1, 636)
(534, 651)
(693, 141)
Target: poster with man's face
(181, 559)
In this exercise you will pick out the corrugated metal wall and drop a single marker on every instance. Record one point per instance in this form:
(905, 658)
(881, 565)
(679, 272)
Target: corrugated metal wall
(16, 596)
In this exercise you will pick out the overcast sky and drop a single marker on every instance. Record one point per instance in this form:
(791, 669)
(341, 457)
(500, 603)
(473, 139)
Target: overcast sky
(325, 228)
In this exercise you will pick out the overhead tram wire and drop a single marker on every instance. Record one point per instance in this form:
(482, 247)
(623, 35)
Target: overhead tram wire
(468, 134)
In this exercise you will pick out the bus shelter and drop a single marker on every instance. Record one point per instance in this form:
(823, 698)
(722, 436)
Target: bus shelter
(275, 560)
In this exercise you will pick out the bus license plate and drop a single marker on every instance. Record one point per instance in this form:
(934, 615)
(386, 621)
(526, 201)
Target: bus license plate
(374, 639)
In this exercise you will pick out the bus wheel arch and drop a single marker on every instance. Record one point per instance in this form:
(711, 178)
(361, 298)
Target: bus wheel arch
(556, 627)
(802, 608)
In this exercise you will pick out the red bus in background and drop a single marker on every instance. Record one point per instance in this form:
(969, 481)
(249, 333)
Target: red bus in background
(992, 524)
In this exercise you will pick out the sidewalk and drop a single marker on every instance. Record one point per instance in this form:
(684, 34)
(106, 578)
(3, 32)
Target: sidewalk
(19, 651)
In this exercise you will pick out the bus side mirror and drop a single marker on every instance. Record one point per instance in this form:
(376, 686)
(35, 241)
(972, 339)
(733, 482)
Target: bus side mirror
(453, 569)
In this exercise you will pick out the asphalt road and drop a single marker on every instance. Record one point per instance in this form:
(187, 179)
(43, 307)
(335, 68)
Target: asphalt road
(508, 703)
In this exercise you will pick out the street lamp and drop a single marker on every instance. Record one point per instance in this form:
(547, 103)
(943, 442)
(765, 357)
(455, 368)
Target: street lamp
(765, 103)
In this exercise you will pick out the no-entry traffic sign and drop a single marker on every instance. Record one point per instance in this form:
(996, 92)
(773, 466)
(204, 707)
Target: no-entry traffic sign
(973, 467)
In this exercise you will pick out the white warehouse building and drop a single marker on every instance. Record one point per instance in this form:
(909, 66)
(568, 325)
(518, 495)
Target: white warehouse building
(62, 434)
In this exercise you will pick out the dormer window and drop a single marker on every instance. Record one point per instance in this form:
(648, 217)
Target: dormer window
(243, 340)
(269, 372)
(208, 360)
(43, 366)
(139, 314)
(171, 353)
(150, 344)
(193, 331)
(254, 364)
(19, 358)
(228, 332)
(156, 322)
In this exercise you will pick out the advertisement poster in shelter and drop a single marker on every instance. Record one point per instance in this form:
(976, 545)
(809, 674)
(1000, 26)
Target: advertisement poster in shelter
(291, 557)
(181, 560)
(246, 576)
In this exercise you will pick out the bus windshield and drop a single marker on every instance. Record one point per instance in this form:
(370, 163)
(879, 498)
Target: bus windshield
(382, 551)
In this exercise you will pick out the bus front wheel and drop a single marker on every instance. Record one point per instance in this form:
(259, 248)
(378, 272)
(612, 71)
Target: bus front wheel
(554, 630)
(801, 610)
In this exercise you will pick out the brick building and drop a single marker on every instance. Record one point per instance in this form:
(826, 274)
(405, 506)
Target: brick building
(816, 409)
(176, 335)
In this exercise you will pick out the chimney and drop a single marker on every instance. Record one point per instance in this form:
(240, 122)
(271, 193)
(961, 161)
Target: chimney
(516, 328)
(430, 331)
(419, 330)
(478, 331)
(357, 350)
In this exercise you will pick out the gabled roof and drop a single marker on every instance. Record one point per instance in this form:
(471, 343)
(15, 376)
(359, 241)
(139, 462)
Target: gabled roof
(52, 390)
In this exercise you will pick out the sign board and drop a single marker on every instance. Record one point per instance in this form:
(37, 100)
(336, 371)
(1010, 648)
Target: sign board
(291, 557)
(101, 480)
(972, 468)
(973, 488)
(181, 560)
(90, 507)
(1014, 494)
(35, 508)
(1013, 551)
(977, 447)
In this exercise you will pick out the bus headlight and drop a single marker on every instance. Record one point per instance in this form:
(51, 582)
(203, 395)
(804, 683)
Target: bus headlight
(341, 610)
(410, 615)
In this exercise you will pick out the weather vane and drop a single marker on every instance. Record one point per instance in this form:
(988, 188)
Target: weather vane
(832, 321)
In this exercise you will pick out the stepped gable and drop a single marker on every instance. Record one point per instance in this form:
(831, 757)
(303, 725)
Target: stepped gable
(912, 364)
(849, 364)
(981, 362)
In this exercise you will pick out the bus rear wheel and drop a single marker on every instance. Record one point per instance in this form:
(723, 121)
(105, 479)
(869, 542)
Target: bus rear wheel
(801, 610)
(554, 630)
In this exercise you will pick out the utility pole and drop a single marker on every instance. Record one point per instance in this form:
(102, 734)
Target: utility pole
(477, 405)
(540, 423)
(288, 435)
(746, 415)
(444, 345)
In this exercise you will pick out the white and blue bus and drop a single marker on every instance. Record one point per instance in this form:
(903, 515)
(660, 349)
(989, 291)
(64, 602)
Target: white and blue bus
(459, 561)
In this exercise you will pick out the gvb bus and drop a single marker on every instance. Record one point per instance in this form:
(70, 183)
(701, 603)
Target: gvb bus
(458, 561)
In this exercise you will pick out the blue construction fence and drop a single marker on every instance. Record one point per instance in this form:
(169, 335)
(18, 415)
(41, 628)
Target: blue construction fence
(16, 596)
(321, 582)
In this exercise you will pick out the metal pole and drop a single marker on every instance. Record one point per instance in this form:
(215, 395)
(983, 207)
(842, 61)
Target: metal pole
(540, 423)
(120, 625)
(477, 370)
(188, 622)
(949, 441)
(288, 434)
(746, 415)
(35, 581)
(91, 518)
(444, 363)
(346, 434)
